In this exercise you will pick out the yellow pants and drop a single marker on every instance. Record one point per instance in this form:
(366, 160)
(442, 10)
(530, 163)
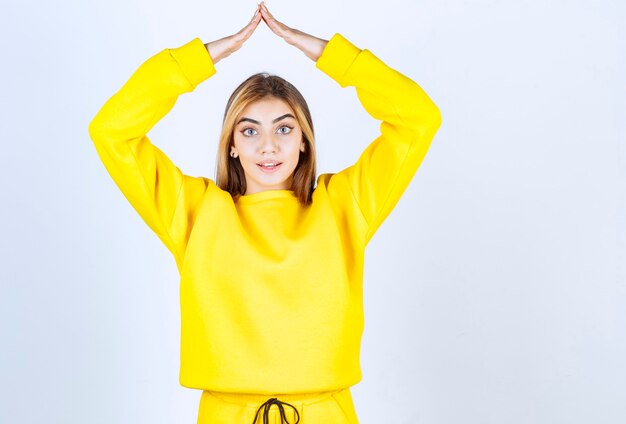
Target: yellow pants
(334, 407)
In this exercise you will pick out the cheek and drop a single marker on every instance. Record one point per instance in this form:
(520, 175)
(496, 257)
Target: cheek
(237, 139)
(294, 148)
(296, 140)
(241, 144)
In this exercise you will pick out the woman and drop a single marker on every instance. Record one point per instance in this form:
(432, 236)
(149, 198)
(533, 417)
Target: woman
(271, 263)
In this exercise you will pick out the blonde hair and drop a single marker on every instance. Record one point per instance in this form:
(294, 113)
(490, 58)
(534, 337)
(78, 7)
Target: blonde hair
(230, 175)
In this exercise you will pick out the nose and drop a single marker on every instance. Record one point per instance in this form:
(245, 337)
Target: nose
(268, 144)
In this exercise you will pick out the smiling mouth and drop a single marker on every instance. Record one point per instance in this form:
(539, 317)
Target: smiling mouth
(269, 166)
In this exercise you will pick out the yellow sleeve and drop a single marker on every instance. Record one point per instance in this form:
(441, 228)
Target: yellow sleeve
(164, 197)
(409, 118)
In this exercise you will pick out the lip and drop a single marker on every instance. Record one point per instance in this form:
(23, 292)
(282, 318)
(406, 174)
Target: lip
(269, 170)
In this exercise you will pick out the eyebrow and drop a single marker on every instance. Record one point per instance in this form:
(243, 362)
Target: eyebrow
(286, 115)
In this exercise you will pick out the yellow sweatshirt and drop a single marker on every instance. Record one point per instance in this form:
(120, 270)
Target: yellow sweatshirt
(270, 291)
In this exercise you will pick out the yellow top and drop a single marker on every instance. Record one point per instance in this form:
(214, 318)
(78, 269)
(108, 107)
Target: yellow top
(288, 318)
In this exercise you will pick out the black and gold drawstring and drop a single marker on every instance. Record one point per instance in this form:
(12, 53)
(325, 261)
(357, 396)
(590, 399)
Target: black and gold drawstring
(268, 404)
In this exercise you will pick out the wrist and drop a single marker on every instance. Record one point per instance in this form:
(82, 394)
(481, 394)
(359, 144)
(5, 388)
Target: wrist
(212, 54)
(319, 47)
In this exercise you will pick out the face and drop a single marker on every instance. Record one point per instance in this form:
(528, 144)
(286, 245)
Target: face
(268, 142)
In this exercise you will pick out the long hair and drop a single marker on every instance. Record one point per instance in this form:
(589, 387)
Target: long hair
(229, 172)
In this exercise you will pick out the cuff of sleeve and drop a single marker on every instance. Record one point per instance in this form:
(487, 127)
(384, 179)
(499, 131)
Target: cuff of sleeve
(337, 57)
(195, 61)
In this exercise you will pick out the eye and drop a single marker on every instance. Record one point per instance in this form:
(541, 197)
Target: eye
(284, 129)
(248, 132)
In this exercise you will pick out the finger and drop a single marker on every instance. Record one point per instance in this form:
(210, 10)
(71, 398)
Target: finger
(275, 26)
(256, 18)
(267, 13)
(256, 12)
(247, 31)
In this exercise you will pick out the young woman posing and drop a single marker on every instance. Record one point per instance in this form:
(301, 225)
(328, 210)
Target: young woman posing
(270, 255)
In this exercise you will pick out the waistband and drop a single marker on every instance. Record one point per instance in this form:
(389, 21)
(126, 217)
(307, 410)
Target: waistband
(253, 400)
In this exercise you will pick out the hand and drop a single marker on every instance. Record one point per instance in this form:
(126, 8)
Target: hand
(219, 49)
(311, 46)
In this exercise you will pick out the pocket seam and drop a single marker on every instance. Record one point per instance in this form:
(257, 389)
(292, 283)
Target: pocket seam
(343, 411)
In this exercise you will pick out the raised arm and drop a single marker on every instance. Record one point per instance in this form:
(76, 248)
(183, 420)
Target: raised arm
(164, 197)
(409, 118)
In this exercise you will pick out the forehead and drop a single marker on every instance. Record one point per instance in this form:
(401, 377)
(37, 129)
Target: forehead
(266, 109)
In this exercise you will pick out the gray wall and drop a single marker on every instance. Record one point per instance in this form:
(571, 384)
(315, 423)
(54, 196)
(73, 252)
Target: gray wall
(494, 293)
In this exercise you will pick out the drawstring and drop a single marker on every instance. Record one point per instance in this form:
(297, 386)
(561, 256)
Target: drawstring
(268, 404)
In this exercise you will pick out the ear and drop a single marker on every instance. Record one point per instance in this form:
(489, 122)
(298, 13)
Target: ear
(302, 146)
(233, 152)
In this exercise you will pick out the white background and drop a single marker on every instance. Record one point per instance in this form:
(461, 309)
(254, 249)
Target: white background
(494, 293)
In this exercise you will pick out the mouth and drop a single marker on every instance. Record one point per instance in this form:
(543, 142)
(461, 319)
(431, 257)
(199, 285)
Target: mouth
(269, 166)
